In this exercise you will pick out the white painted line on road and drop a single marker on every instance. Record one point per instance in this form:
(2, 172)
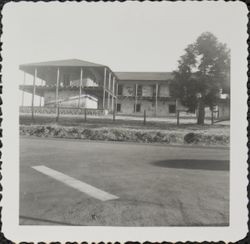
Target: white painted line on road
(77, 184)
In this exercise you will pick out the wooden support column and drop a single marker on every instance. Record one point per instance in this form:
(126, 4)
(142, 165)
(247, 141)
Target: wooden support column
(104, 88)
(113, 93)
(57, 92)
(33, 94)
(116, 92)
(136, 88)
(144, 117)
(109, 90)
(116, 95)
(40, 104)
(156, 98)
(178, 117)
(80, 88)
(24, 81)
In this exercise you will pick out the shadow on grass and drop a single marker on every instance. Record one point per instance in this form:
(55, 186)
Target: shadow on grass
(194, 164)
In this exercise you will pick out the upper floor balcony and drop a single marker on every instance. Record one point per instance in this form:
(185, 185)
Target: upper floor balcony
(144, 91)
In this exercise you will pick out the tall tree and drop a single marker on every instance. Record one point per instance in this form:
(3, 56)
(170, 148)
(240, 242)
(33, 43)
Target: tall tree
(203, 73)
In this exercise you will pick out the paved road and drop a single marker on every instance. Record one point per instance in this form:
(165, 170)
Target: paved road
(156, 185)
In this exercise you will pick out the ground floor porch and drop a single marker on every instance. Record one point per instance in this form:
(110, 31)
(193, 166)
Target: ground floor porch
(71, 100)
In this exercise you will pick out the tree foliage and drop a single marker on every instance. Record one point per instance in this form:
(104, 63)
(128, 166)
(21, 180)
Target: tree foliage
(203, 73)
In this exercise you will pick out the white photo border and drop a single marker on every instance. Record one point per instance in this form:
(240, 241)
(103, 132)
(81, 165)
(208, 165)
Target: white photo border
(238, 162)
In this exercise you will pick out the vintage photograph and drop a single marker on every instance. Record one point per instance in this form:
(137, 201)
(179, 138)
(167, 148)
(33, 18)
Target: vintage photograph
(101, 146)
(124, 113)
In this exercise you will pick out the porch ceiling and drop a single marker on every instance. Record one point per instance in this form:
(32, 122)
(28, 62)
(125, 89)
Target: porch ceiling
(40, 90)
(48, 70)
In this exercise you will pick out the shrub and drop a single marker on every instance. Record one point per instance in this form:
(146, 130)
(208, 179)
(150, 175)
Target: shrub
(191, 138)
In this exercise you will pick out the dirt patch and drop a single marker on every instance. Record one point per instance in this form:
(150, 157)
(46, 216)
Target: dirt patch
(124, 134)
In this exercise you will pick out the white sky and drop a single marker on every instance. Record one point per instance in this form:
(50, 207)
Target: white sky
(130, 36)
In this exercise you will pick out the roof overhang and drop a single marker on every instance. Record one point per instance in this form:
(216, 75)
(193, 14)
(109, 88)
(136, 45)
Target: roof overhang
(71, 65)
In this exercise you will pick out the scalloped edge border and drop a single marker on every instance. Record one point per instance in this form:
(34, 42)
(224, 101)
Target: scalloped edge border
(246, 240)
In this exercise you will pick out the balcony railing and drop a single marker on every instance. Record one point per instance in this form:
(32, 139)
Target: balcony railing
(165, 98)
(62, 110)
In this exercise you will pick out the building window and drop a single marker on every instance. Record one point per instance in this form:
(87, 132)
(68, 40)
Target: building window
(139, 90)
(172, 108)
(137, 108)
(120, 88)
(118, 107)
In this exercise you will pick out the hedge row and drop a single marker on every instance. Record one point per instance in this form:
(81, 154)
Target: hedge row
(118, 134)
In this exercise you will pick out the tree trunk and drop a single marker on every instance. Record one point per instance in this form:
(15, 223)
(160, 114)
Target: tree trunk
(201, 113)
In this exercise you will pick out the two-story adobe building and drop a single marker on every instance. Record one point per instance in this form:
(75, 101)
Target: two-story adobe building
(77, 83)
(139, 91)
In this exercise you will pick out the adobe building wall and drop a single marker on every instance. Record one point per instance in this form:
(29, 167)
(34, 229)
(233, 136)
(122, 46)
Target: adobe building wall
(50, 96)
(147, 91)
(89, 103)
(224, 111)
(164, 91)
(85, 102)
(163, 108)
(128, 89)
(127, 107)
(71, 97)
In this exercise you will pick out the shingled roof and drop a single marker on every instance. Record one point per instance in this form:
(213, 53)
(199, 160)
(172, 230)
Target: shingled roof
(145, 76)
(63, 63)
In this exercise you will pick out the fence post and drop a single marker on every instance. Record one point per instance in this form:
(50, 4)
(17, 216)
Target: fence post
(212, 116)
(32, 114)
(57, 113)
(114, 114)
(85, 114)
(178, 117)
(144, 120)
